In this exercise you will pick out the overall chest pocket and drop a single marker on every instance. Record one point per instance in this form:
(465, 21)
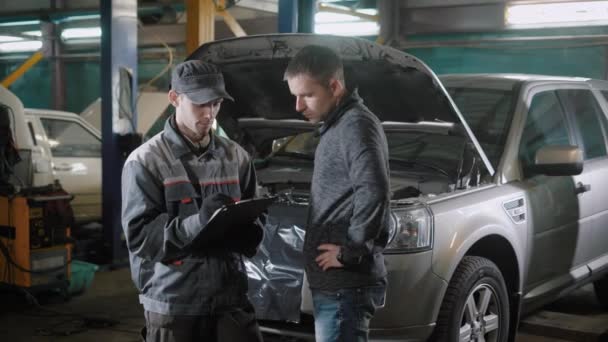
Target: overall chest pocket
(182, 200)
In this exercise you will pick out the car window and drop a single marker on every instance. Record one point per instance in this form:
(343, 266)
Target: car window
(488, 113)
(303, 144)
(442, 152)
(70, 139)
(545, 125)
(589, 118)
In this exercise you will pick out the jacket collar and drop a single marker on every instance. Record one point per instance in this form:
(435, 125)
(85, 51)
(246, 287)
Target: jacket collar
(180, 147)
(344, 105)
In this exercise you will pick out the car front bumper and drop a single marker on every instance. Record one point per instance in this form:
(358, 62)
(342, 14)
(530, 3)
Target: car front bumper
(413, 299)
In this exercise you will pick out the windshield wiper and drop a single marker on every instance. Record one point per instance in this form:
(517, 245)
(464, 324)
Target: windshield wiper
(412, 163)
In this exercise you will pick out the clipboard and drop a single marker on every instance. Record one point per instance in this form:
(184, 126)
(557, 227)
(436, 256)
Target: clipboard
(241, 213)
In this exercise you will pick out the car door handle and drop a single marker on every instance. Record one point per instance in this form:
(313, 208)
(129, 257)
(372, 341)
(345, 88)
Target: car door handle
(62, 167)
(580, 188)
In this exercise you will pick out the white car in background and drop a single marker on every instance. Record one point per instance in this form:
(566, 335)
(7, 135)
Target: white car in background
(64, 146)
(73, 148)
(71, 145)
(56, 145)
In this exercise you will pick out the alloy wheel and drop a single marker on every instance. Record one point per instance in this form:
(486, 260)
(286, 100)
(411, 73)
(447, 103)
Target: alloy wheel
(480, 319)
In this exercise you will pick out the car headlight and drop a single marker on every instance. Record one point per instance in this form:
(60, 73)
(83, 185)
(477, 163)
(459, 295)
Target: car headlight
(411, 229)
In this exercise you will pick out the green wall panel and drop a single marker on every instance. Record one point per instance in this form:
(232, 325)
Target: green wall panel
(33, 87)
(82, 82)
(563, 58)
(583, 62)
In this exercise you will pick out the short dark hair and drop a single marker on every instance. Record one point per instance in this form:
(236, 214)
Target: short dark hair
(319, 62)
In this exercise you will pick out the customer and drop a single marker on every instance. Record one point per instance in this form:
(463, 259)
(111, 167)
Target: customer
(348, 219)
(191, 289)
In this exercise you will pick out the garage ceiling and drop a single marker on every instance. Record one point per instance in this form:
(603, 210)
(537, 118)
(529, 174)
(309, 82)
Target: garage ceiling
(163, 20)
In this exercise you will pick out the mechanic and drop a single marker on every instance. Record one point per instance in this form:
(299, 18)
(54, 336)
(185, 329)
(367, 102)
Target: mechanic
(191, 289)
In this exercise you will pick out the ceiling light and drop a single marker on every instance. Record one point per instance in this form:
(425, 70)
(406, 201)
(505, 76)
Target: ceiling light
(33, 33)
(343, 24)
(22, 46)
(363, 28)
(79, 17)
(81, 32)
(9, 39)
(328, 17)
(21, 23)
(583, 13)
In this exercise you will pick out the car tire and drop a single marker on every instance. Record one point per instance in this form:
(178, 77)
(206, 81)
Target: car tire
(476, 283)
(601, 291)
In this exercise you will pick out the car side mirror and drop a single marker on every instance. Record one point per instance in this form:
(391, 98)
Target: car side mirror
(558, 161)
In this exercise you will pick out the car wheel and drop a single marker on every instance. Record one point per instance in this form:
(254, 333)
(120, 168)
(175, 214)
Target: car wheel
(601, 291)
(475, 306)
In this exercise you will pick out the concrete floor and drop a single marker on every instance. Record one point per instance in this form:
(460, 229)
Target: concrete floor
(112, 299)
(576, 317)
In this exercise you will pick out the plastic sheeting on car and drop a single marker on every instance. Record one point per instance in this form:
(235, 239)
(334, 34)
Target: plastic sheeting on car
(276, 272)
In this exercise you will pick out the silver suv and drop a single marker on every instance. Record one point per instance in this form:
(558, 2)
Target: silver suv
(497, 208)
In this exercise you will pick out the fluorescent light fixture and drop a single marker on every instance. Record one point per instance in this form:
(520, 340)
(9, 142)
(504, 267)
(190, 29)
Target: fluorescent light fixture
(326, 16)
(562, 14)
(364, 28)
(370, 11)
(21, 23)
(342, 24)
(81, 32)
(4, 39)
(79, 17)
(33, 33)
(22, 46)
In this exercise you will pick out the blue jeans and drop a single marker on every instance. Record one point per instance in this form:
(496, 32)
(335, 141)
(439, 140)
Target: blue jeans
(344, 315)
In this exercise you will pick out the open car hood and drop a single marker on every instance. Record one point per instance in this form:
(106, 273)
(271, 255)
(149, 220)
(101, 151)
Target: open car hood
(394, 85)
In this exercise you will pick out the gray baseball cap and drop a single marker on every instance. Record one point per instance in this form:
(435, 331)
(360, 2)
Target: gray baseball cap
(202, 82)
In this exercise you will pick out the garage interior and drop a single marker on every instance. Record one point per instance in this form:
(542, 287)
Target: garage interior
(108, 64)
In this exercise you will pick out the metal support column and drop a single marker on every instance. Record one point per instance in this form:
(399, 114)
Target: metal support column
(288, 16)
(306, 16)
(389, 12)
(200, 23)
(118, 94)
(57, 63)
(297, 16)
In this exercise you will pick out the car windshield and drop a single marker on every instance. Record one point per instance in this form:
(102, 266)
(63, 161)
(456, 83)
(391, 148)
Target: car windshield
(429, 152)
(488, 113)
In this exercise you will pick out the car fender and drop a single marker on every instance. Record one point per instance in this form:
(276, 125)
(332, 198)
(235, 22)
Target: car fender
(459, 228)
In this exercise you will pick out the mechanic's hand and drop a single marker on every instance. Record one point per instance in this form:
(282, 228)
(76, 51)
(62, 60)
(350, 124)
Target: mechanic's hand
(329, 257)
(211, 204)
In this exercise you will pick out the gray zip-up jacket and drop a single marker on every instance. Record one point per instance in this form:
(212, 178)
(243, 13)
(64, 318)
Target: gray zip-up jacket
(164, 183)
(349, 198)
